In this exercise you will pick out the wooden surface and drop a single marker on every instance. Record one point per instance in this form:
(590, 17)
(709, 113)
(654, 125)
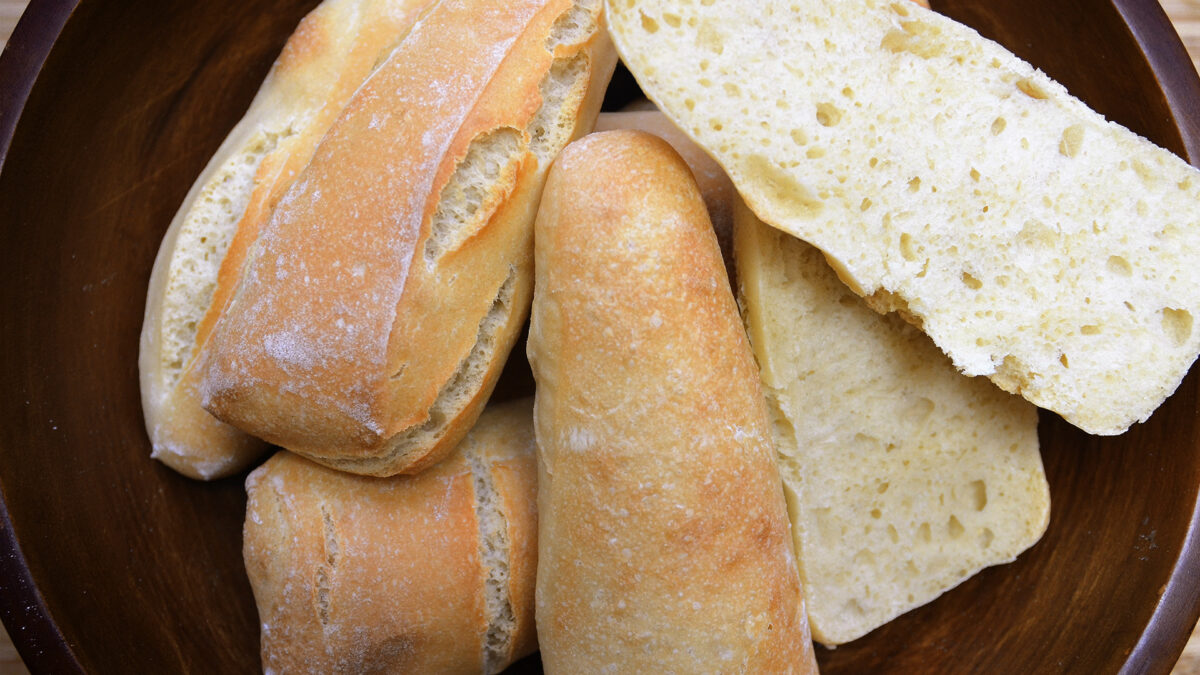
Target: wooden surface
(1185, 14)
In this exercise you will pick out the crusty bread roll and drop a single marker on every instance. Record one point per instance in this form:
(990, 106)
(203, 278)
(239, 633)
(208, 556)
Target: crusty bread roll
(385, 292)
(412, 574)
(331, 52)
(663, 534)
(903, 477)
(1036, 243)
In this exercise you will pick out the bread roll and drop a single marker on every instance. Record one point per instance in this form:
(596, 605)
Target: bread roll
(412, 574)
(663, 535)
(331, 52)
(385, 292)
(903, 477)
(946, 179)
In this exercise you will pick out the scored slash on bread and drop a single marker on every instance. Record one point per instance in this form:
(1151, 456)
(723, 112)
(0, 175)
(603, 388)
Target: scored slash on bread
(945, 179)
(382, 297)
(663, 535)
(325, 60)
(422, 574)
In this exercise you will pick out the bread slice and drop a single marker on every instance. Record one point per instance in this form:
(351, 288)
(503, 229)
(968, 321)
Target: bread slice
(903, 477)
(421, 574)
(386, 290)
(946, 179)
(331, 52)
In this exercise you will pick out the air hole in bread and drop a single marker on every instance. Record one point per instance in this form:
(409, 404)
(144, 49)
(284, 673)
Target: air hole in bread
(954, 528)
(914, 184)
(1090, 329)
(971, 282)
(998, 126)
(915, 37)
(883, 487)
(781, 188)
(864, 558)
(828, 115)
(985, 537)
(815, 153)
(562, 90)
(649, 24)
(494, 548)
(672, 20)
(575, 25)
(975, 175)
(1177, 324)
(977, 490)
(481, 182)
(893, 535)
(1062, 358)
(1031, 89)
(876, 513)
(732, 89)
(865, 205)
(1119, 266)
(925, 533)
(1072, 141)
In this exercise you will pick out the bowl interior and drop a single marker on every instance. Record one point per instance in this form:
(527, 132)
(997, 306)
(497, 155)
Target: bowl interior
(117, 561)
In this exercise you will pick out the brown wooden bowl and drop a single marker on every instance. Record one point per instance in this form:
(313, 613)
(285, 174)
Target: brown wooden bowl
(110, 562)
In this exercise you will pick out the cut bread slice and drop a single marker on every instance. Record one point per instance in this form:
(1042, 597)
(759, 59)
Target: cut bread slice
(948, 180)
(903, 477)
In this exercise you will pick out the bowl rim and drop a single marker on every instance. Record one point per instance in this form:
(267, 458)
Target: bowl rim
(23, 610)
(44, 648)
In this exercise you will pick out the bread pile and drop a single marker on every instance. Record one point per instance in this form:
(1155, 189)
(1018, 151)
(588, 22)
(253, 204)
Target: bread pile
(348, 276)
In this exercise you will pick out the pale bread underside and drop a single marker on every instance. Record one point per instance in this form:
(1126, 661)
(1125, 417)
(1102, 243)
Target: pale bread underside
(903, 477)
(1035, 242)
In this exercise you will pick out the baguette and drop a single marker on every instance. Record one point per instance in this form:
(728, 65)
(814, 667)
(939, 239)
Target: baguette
(663, 536)
(948, 180)
(417, 574)
(329, 55)
(903, 477)
(391, 281)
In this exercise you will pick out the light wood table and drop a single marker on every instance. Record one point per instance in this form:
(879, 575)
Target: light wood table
(1184, 13)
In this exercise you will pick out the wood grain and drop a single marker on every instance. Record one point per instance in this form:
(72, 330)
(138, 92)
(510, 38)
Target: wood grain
(1185, 14)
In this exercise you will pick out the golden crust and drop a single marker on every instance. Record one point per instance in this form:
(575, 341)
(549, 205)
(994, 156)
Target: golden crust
(331, 52)
(663, 535)
(343, 334)
(359, 574)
